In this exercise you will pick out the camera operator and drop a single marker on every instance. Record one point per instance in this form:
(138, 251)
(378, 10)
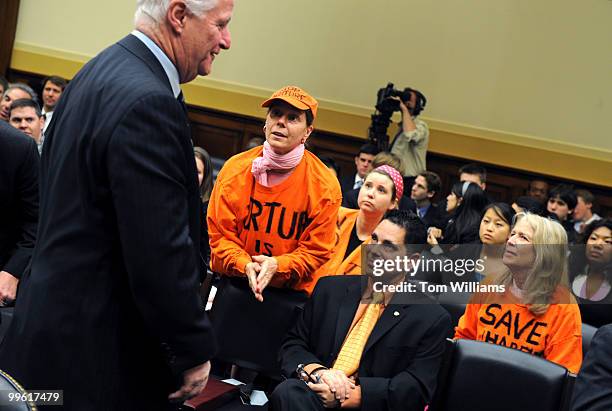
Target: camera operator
(410, 143)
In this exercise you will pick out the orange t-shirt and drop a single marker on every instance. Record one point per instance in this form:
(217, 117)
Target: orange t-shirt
(555, 335)
(293, 221)
(347, 218)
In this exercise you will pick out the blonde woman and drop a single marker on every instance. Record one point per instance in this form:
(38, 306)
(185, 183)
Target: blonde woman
(536, 313)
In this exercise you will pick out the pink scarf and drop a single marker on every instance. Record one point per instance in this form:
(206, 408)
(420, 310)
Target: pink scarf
(272, 161)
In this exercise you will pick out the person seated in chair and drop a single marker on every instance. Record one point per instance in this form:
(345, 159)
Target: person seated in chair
(533, 312)
(356, 347)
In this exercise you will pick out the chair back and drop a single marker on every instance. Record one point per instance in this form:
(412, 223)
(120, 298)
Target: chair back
(250, 331)
(478, 376)
(9, 386)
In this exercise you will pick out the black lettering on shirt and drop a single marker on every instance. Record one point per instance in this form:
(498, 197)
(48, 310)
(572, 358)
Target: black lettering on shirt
(534, 333)
(491, 316)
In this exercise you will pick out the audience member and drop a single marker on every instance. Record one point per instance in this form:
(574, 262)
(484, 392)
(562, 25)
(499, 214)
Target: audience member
(273, 210)
(465, 204)
(474, 173)
(25, 115)
(19, 165)
(110, 311)
(53, 87)
(205, 182)
(363, 165)
(380, 193)
(525, 204)
(538, 189)
(325, 354)
(561, 203)
(349, 199)
(494, 232)
(412, 139)
(425, 187)
(14, 92)
(583, 212)
(591, 273)
(593, 388)
(535, 313)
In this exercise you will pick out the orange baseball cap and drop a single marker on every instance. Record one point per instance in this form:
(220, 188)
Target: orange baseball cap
(296, 97)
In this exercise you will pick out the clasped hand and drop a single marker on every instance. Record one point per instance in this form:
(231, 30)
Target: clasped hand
(259, 273)
(335, 387)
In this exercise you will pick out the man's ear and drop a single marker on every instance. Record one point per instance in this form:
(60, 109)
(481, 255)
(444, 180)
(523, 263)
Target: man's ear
(177, 15)
(430, 194)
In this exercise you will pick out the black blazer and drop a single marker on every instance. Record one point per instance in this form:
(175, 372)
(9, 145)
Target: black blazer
(593, 389)
(110, 311)
(347, 183)
(19, 165)
(401, 359)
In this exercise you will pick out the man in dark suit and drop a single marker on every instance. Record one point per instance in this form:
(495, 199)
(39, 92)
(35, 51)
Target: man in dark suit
(397, 366)
(19, 164)
(593, 389)
(110, 311)
(425, 187)
(363, 165)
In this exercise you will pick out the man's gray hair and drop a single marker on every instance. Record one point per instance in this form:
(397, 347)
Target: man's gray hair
(23, 87)
(155, 10)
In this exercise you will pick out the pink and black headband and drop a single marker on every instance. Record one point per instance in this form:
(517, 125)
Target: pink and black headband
(396, 177)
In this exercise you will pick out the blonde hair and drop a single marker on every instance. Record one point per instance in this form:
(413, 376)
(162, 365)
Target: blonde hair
(550, 265)
(386, 158)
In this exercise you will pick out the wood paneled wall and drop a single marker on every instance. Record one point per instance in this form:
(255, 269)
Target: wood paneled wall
(9, 10)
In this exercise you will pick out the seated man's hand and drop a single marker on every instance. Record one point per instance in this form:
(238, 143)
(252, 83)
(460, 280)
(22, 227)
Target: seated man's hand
(8, 288)
(269, 266)
(325, 394)
(194, 381)
(339, 384)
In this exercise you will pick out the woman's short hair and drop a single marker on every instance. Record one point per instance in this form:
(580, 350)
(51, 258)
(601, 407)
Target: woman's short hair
(207, 181)
(386, 158)
(550, 266)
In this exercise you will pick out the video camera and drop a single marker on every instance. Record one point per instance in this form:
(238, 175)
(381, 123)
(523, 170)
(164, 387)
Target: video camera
(385, 107)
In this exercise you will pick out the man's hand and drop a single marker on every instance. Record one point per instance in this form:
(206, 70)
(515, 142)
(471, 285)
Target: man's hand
(251, 270)
(269, 266)
(325, 394)
(8, 288)
(339, 384)
(194, 381)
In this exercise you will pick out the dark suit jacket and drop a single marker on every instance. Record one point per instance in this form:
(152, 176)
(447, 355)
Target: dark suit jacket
(593, 389)
(401, 359)
(347, 183)
(110, 311)
(19, 165)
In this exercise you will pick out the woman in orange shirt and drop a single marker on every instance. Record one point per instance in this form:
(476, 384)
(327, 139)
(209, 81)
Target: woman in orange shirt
(273, 209)
(534, 312)
(380, 192)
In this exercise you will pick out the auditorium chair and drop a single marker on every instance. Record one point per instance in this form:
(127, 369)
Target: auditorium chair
(478, 376)
(250, 333)
(8, 387)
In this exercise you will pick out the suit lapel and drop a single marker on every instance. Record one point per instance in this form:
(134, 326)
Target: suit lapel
(138, 48)
(392, 316)
(346, 312)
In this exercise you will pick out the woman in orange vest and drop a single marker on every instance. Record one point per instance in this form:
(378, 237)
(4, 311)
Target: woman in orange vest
(380, 192)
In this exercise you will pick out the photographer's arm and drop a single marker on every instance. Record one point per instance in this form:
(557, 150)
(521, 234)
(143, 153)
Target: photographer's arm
(407, 121)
